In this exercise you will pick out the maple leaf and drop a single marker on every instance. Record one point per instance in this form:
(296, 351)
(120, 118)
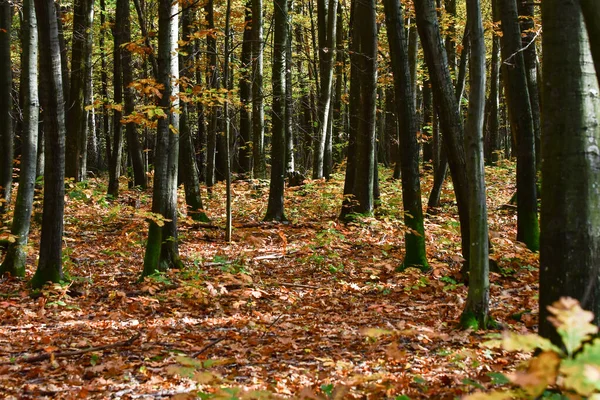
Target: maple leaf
(572, 323)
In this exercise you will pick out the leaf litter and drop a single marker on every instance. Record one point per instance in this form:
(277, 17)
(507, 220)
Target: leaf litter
(312, 308)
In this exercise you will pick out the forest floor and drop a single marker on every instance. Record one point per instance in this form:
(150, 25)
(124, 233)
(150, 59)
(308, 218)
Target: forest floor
(310, 309)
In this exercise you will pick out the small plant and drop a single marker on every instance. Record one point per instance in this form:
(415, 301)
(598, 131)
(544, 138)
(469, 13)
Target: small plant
(572, 371)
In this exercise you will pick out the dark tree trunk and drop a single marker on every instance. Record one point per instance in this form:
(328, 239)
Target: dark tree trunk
(15, 260)
(570, 213)
(104, 85)
(258, 112)
(76, 114)
(213, 82)
(245, 147)
(64, 57)
(114, 165)
(447, 109)
(188, 169)
(519, 110)
(414, 236)
(338, 132)
(427, 125)
(52, 102)
(275, 209)
(134, 146)
(6, 129)
(493, 139)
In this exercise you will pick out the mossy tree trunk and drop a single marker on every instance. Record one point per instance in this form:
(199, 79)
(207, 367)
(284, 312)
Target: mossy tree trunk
(49, 268)
(570, 213)
(162, 249)
(414, 237)
(14, 262)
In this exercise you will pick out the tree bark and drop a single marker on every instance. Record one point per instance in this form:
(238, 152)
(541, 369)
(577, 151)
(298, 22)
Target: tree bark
(15, 260)
(570, 211)
(245, 147)
(162, 248)
(51, 100)
(6, 125)
(475, 314)
(275, 206)
(591, 15)
(519, 107)
(414, 236)
(258, 112)
(76, 114)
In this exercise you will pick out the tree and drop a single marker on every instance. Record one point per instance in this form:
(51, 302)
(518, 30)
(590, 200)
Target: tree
(76, 113)
(52, 102)
(6, 130)
(475, 314)
(327, 37)
(570, 212)
(275, 206)
(519, 111)
(409, 148)
(447, 109)
(162, 250)
(14, 262)
(245, 148)
(258, 113)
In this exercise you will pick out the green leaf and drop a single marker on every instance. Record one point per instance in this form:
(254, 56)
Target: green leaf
(572, 323)
(189, 362)
(498, 378)
(522, 342)
(582, 374)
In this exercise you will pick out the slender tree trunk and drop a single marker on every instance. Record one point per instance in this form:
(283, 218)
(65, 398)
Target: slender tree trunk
(519, 107)
(414, 236)
(52, 102)
(245, 148)
(289, 101)
(144, 31)
(493, 139)
(6, 128)
(134, 146)
(338, 132)
(475, 314)
(327, 44)
(365, 141)
(64, 57)
(15, 260)
(104, 84)
(447, 109)
(570, 213)
(162, 249)
(258, 112)
(427, 125)
(75, 108)
(275, 209)
(213, 82)
(114, 167)
(228, 220)
(188, 169)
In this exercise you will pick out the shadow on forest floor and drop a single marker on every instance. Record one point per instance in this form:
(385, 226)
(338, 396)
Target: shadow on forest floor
(309, 309)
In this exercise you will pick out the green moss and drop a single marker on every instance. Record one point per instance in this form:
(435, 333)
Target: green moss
(153, 250)
(50, 273)
(468, 320)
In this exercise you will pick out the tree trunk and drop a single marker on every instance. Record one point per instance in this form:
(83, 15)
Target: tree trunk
(475, 315)
(133, 142)
(114, 167)
(245, 148)
(162, 249)
(15, 260)
(447, 109)
(75, 108)
(519, 107)
(414, 236)
(6, 129)
(493, 139)
(52, 102)
(327, 27)
(275, 209)
(365, 141)
(188, 169)
(258, 112)
(289, 102)
(104, 84)
(570, 213)
(212, 77)
(228, 220)
(64, 57)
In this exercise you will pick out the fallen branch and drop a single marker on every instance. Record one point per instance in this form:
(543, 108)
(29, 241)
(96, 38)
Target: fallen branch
(299, 285)
(208, 346)
(70, 353)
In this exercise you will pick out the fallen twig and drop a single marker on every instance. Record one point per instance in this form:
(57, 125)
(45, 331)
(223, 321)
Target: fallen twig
(299, 285)
(70, 353)
(208, 346)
